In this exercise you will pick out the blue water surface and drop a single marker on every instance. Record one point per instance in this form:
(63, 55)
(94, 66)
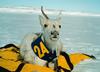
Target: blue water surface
(78, 34)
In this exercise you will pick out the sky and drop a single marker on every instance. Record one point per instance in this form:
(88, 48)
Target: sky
(89, 6)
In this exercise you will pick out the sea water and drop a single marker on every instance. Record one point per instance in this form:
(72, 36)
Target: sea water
(78, 34)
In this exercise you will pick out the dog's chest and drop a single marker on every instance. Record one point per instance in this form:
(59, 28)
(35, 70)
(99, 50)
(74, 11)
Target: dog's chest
(42, 51)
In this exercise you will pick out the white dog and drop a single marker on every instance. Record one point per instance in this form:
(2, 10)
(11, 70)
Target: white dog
(40, 48)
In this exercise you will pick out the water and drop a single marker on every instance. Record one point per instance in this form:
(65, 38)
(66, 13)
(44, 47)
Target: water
(78, 34)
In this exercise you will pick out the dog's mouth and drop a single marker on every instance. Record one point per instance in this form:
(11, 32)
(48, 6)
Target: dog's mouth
(54, 37)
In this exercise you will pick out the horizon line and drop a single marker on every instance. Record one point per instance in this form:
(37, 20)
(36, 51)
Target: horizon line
(48, 11)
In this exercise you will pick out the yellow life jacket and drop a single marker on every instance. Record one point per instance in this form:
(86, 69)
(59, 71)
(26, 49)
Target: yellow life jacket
(10, 61)
(66, 62)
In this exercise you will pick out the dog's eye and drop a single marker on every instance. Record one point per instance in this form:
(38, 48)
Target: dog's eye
(45, 25)
(59, 26)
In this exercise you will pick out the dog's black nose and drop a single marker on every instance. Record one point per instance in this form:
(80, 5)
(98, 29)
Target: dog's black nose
(51, 33)
(54, 33)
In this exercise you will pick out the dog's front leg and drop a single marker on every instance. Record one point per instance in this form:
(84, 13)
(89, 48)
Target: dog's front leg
(51, 64)
(29, 58)
(25, 49)
(59, 48)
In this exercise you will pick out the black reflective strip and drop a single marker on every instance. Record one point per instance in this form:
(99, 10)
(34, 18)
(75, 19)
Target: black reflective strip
(91, 56)
(9, 45)
(4, 70)
(20, 67)
(67, 59)
(59, 69)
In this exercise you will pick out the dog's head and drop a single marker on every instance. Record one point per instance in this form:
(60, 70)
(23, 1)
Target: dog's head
(51, 28)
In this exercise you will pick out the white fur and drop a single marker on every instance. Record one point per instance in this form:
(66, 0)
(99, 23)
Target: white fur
(52, 43)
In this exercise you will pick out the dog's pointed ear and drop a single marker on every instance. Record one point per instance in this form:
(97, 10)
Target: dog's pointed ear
(59, 17)
(42, 20)
(58, 20)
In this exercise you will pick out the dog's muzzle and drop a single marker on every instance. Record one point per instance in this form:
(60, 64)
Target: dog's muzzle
(54, 35)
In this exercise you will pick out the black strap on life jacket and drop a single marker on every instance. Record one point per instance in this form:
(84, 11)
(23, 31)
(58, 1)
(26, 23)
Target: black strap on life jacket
(17, 70)
(20, 67)
(59, 69)
(3, 69)
(68, 61)
(9, 45)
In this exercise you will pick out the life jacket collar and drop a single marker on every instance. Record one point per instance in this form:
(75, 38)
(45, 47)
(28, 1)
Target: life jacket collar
(42, 51)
